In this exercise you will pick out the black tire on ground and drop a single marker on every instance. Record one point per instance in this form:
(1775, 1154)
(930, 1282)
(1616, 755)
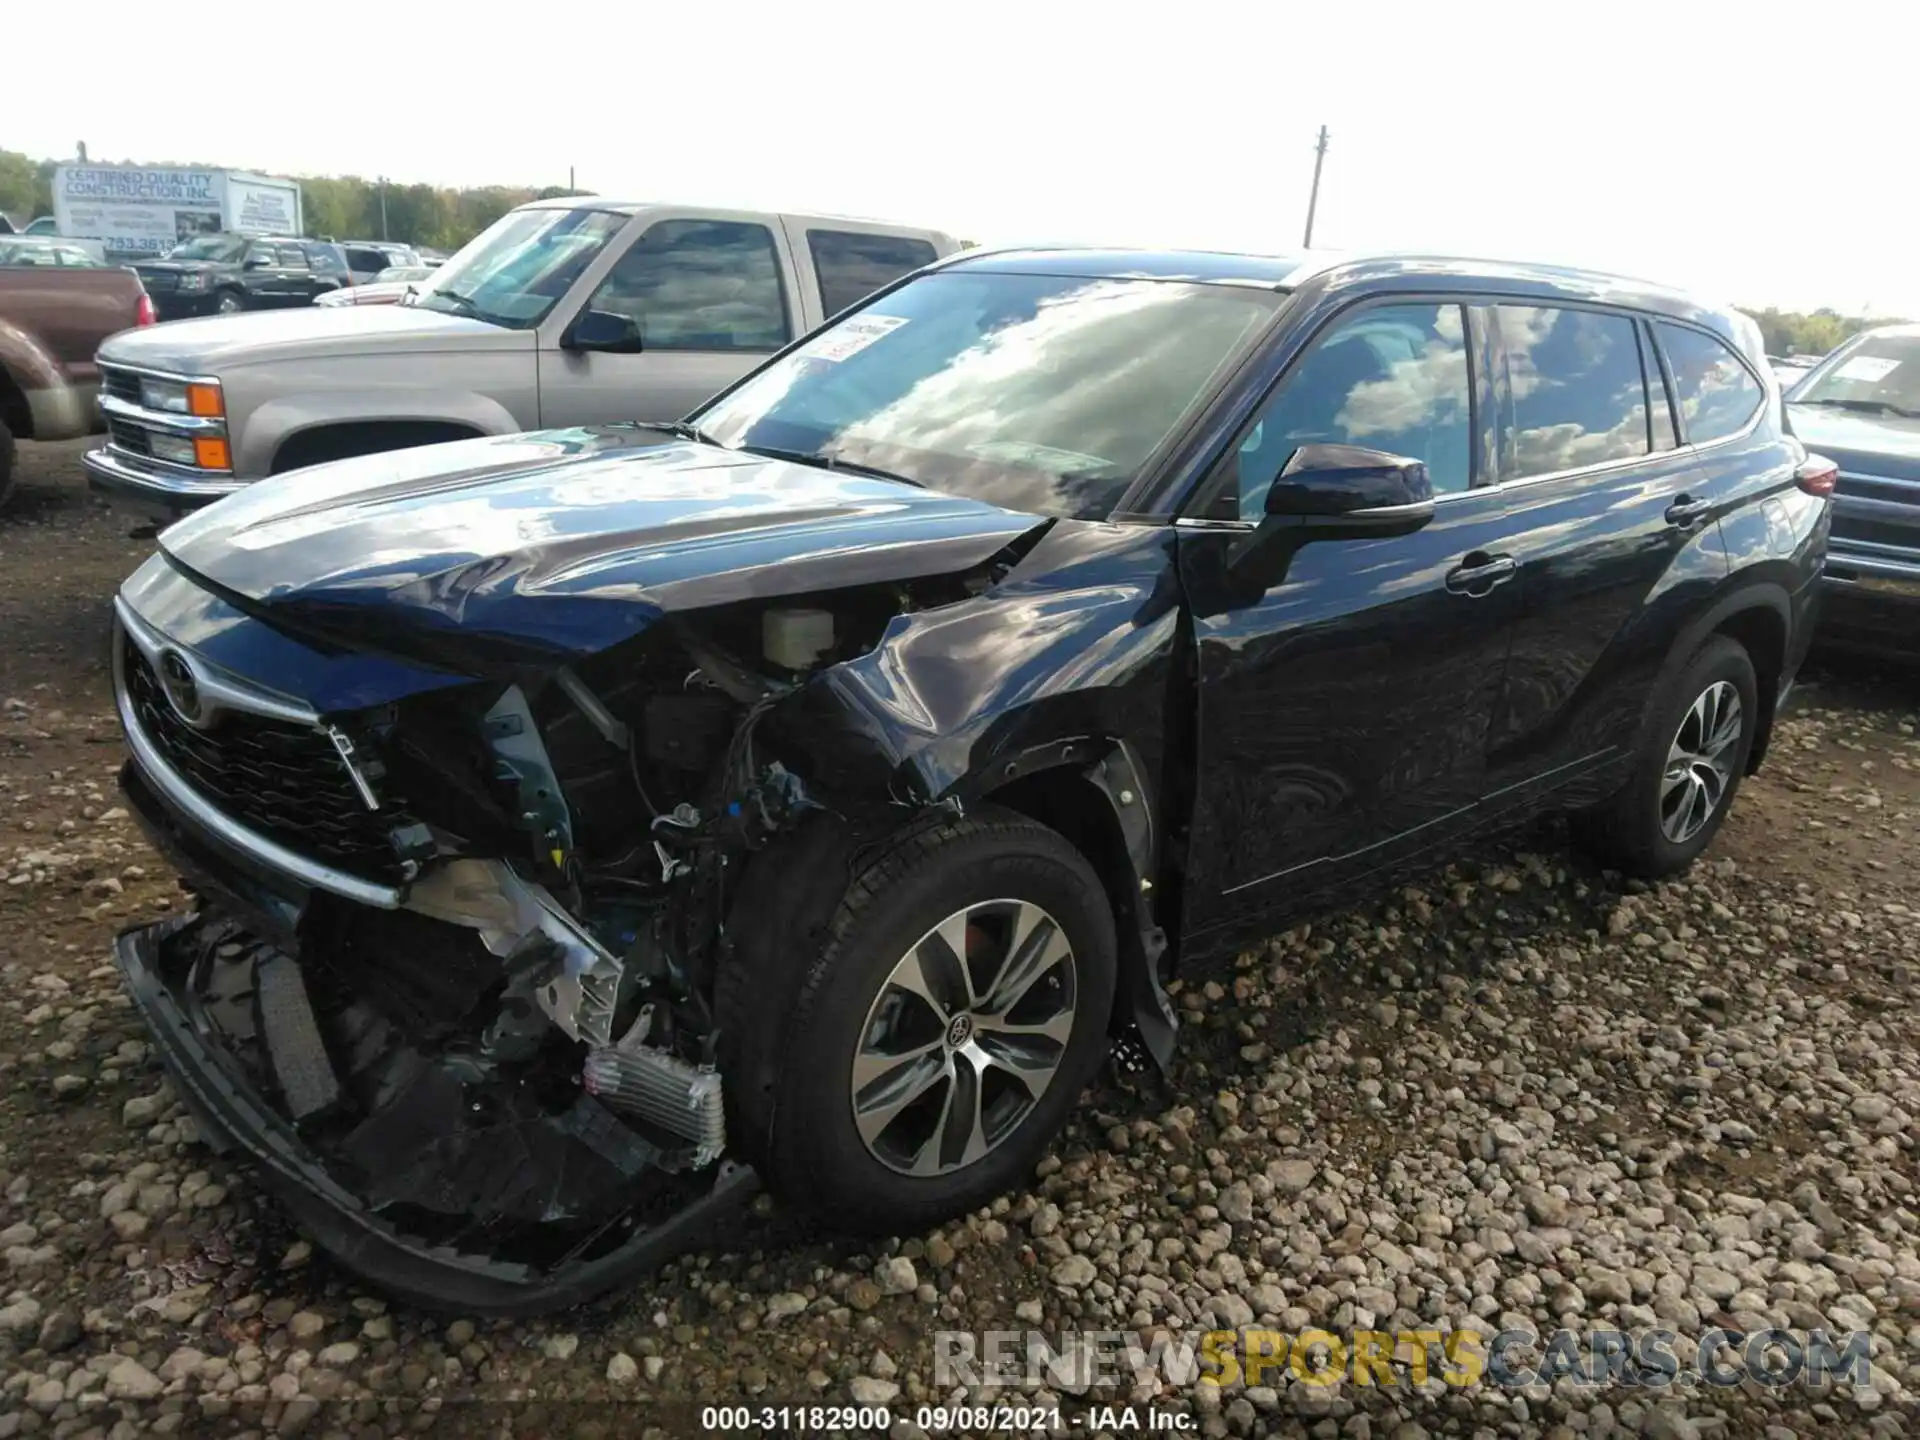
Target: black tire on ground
(1643, 830)
(229, 302)
(7, 453)
(814, 1155)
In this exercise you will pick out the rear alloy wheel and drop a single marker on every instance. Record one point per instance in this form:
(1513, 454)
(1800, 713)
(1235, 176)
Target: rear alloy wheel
(946, 1028)
(1693, 754)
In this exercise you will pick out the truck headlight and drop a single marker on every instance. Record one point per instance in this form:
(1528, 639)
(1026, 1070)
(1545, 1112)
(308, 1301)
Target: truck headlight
(174, 449)
(193, 280)
(182, 397)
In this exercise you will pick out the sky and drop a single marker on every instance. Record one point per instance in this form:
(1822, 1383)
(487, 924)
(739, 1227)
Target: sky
(1758, 154)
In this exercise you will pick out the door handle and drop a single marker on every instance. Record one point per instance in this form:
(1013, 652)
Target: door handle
(1480, 573)
(1685, 510)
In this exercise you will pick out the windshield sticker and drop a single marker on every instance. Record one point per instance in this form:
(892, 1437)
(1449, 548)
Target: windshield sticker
(850, 337)
(1869, 368)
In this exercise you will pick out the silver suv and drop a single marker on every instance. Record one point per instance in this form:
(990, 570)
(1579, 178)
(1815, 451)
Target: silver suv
(564, 312)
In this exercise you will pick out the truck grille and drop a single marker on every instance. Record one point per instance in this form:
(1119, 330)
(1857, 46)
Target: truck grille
(121, 384)
(284, 781)
(130, 438)
(159, 282)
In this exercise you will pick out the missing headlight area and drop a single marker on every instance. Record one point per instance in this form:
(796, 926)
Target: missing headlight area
(516, 1073)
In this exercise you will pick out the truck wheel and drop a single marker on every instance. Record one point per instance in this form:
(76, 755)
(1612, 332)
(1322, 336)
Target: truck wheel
(946, 1029)
(7, 453)
(1692, 757)
(229, 302)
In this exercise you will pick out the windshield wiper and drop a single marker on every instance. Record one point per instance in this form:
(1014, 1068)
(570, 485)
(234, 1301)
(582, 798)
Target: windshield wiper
(1865, 407)
(464, 302)
(685, 429)
(827, 462)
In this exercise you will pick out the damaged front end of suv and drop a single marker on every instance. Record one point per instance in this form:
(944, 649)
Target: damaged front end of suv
(505, 775)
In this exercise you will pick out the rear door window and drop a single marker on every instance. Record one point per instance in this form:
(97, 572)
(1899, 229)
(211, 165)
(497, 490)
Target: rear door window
(1575, 387)
(850, 266)
(290, 257)
(1717, 394)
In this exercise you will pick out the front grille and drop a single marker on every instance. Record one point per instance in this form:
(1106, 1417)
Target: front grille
(159, 281)
(282, 780)
(130, 438)
(121, 384)
(1904, 536)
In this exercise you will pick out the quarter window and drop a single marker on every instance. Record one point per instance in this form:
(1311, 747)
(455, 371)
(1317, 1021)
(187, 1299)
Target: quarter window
(1578, 396)
(851, 267)
(1717, 395)
(1392, 378)
(700, 285)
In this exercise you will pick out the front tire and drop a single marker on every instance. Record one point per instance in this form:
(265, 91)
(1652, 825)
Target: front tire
(229, 302)
(1692, 757)
(947, 1027)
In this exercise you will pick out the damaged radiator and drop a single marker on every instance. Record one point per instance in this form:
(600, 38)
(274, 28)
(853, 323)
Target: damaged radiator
(666, 1092)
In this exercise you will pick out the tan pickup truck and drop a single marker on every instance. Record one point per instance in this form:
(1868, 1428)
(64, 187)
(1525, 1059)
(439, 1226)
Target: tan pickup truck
(53, 317)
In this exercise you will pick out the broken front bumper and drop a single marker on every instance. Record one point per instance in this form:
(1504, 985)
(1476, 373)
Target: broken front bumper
(170, 969)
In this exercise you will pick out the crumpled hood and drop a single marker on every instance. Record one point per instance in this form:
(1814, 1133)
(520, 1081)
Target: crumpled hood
(560, 543)
(210, 345)
(1862, 444)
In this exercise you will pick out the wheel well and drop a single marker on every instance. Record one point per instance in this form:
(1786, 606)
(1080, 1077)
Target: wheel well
(15, 413)
(1763, 635)
(1065, 801)
(363, 437)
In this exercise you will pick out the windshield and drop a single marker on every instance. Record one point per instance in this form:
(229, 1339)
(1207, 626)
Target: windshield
(1878, 373)
(521, 266)
(1042, 393)
(225, 248)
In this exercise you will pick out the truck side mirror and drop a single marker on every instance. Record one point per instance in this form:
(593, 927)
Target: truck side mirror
(603, 330)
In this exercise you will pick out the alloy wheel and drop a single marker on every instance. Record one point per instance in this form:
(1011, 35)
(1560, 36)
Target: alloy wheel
(1700, 762)
(964, 1038)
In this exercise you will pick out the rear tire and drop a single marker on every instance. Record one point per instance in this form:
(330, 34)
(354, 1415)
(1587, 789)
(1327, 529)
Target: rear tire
(1001, 907)
(1693, 755)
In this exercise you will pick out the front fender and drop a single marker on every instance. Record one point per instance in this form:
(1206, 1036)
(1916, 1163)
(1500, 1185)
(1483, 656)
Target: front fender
(274, 422)
(1075, 642)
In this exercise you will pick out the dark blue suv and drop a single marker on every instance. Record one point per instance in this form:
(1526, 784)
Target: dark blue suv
(588, 822)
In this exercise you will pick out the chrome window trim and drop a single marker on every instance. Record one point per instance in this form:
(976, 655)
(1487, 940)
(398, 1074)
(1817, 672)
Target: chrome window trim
(226, 691)
(175, 789)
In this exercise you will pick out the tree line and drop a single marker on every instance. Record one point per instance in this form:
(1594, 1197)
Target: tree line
(351, 207)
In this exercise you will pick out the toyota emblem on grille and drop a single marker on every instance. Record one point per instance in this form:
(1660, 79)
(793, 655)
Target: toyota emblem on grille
(183, 689)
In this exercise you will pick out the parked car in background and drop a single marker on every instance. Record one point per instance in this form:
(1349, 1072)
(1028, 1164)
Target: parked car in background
(564, 312)
(52, 320)
(225, 274)
(41, 250)
(367, 258)
(1860, 407)
(389, 287)
(828, 780)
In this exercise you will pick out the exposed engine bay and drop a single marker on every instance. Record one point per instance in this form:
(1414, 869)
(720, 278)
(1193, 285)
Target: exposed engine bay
(520, 1064)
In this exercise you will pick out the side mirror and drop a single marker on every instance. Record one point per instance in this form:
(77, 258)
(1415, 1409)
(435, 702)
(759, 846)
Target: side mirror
(1349, 483)
(603, 330)
(1332, 492)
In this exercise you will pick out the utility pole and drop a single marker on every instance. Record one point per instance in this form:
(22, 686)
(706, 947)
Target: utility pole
(570, 185)
(1313, 199)
(383, 207)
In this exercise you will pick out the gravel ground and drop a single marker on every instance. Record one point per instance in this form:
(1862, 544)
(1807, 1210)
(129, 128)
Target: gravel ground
(1521, 1095)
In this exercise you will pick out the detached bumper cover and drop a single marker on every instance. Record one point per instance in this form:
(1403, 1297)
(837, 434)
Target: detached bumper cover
(158, 964)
